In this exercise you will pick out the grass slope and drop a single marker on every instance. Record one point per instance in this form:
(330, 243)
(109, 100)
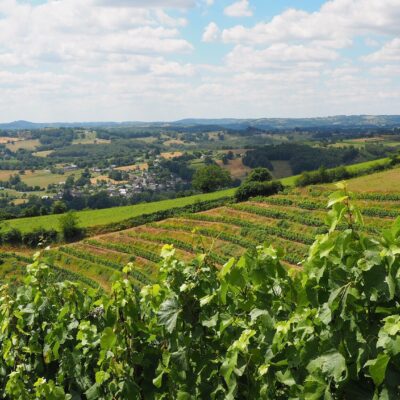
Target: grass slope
(109, 215)
(386, 181)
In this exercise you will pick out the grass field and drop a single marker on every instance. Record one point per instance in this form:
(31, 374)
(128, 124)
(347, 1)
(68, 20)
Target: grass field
(43, 154)
(111, 215)
(28, 144)
(41, 178)
(386, 182)
(367, 164)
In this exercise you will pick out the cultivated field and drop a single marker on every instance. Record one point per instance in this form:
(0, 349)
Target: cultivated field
(41, 178)
(289, 221)
(236, 168)
(6, 139)
(27, 144)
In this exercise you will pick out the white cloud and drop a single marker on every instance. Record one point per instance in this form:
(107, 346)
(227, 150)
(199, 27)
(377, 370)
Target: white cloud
(148, 3)
(390, 52)
(126, 60)
(337, 21)
(240, 8)
(283, 55)
(211, 32)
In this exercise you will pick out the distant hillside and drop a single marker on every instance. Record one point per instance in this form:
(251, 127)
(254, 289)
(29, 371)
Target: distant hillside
(343, 121)
(338, 121)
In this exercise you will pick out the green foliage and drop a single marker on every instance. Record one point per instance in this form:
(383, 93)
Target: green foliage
(255, 188)
(251, 330)
(69, 226)
(210, 178)
(323, 175)
(259, 175)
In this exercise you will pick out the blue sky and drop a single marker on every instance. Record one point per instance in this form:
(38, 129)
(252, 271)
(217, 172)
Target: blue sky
(73, 60)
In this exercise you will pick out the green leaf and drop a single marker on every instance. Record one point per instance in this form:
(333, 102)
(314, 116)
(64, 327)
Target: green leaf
(377, 368)
(285, 378)
(314, 388)
(93, 392)
(108, 339)
(168, 314)
(226, 269)
(337, 197)
(228, 366)
(331, 364)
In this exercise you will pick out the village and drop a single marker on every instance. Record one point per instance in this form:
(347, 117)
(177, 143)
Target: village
(116, 181)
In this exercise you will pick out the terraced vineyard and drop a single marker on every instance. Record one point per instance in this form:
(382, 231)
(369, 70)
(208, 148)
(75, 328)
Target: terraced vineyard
(288, 220)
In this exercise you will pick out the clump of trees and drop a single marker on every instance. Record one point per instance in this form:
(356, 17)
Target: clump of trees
(302, 157)
(210, 178)
(258, 183)
(250, 330)
(323, 175)
(69, 227)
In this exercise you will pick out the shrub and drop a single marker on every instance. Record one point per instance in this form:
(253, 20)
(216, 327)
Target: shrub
(69, 227)
(253, 189)
(210, 178)
(259, 175)
(13, 236)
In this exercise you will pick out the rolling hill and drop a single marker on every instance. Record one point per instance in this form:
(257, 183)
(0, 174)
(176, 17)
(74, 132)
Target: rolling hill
(230, 123)
(289, 220)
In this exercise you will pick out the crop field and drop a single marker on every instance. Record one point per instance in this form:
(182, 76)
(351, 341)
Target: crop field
(236, 168)
(110, 215)
(41, 178)
(27, 144)
(43, 154)
(6, 139)
(289, 220)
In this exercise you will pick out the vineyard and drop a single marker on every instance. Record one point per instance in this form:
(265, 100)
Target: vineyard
(289, 220)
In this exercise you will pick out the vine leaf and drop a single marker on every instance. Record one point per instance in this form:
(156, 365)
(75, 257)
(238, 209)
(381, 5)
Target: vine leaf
(168, 314)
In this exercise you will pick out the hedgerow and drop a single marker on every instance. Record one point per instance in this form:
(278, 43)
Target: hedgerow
(252, 330)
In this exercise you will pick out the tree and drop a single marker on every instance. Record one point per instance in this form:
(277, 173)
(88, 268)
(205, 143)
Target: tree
(69, 226)
(254, 189)
(259, 175)
(69, 182)
(258, 183)
(59, 207)
(210, 178)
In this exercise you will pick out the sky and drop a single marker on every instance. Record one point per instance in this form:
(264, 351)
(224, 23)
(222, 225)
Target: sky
(163, 60)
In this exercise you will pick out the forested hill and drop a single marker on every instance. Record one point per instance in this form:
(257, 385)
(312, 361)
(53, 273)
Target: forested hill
(338, 121)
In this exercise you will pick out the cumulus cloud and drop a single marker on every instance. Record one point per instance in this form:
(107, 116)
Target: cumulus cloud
(125, 60)
(211, 32)
(336, 22)
(240, 8)
(390, 52)
(148, 3)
